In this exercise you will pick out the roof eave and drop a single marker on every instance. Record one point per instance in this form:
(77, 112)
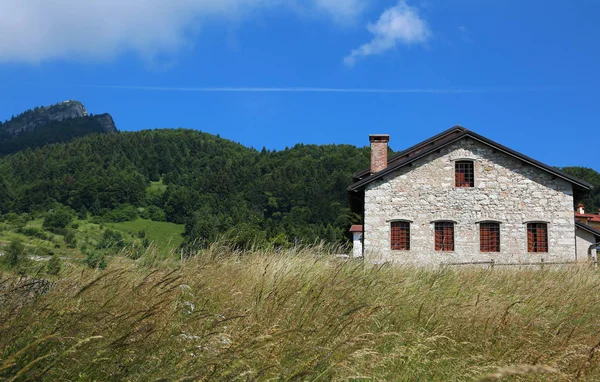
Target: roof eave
(589, 229)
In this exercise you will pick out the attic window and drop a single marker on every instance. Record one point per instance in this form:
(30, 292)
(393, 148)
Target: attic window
(464, 174)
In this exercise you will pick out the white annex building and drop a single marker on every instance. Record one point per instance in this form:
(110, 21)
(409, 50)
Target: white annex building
(460, 197)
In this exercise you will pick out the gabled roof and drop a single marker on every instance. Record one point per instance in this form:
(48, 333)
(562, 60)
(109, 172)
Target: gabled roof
(589, 229)
(448, 137)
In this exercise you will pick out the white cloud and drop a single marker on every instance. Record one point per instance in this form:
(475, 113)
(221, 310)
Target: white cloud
(39, 30)
(401, 24)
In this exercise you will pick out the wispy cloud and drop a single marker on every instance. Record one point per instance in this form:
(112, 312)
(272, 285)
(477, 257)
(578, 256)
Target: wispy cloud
(34, 31)
(322, 89)
(401, 24)
(464, 33)
(342, 10)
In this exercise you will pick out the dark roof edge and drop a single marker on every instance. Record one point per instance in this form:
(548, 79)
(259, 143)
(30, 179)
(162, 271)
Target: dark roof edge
(414, 147)
(489, 142)
(587, 228)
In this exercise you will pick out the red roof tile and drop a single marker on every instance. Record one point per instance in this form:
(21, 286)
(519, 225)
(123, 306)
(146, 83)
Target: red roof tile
(356, 228)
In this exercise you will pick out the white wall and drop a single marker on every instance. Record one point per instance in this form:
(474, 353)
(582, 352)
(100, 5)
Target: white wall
(584, 240)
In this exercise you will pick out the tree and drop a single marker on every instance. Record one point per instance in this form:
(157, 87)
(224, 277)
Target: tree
(60, 218)
(14, 254)
(83, 212)
(53, 267)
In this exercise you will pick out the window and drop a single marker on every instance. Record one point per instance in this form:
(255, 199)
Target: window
(489, 237)
(444, 236)
(400, 236)
(537, 237)
(464, 174)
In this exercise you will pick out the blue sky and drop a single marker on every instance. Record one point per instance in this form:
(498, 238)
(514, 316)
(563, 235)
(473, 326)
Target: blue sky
(260, 72)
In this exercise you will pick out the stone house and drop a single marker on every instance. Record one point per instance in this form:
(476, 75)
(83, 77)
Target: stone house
(459, 197)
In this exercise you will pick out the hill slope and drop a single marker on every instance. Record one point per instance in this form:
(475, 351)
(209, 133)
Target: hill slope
(213, 185)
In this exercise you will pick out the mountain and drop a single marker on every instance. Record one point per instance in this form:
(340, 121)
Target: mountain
(51, 124)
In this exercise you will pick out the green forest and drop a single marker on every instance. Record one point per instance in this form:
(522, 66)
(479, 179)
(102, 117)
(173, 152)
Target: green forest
(214, 186)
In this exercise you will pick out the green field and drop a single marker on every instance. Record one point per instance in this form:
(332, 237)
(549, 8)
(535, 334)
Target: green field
(166, 236)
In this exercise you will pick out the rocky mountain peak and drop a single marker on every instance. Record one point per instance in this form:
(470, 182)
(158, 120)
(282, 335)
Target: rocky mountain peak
(40, 116)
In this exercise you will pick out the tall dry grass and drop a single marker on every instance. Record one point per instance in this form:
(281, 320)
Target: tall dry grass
(300, 315)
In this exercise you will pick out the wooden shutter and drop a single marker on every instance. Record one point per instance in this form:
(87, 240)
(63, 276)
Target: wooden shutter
(489, 237)
(444, 236)
(400, 236)
(537, 237)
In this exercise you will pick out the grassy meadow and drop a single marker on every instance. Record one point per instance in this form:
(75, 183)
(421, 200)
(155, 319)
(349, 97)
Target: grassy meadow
(298, 315)
(164, 235)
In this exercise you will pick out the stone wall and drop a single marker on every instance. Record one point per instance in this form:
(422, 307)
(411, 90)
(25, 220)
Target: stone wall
(506, 190)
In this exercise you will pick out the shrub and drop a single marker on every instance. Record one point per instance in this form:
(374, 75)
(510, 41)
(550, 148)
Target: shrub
(29, 231)
(95, 260)
(97, 220)
(83, 213)
(53, 266)
(16, 221)
(125, 212)
(58, 230)
(111, 239)
(70, 239)
(157, 214)
(143, 213)
(60, 218)
(14, 254)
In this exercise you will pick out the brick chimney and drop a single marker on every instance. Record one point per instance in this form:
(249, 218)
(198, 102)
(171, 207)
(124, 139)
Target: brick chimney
(580, 209)
(379, 145)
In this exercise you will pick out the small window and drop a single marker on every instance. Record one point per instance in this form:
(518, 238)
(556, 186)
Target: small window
(444, 236)
(489, 237)
(537, 237)
(400, 236)
(464, 174)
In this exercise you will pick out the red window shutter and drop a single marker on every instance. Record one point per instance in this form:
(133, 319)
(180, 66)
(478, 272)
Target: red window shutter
(542, 242)
(494, 245)
(444, 236)
(400, 236)
(484, 237)
(537, 237)
(461, 179)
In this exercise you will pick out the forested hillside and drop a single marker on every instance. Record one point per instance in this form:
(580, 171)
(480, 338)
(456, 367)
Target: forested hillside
(212, 185)
(592, 201)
